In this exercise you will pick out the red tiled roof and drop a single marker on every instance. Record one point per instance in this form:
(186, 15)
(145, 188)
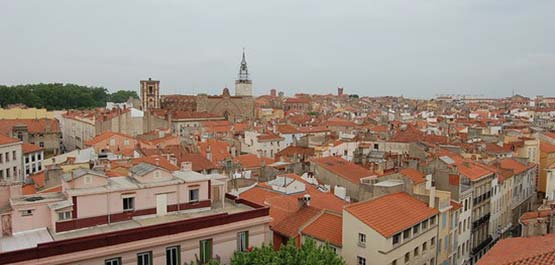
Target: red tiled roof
(336, 122)
(343, 168)
(33, 125)
(156, 160)
(392, 213)
(4, 139)
(252, 161)
(218, 149)
(416, 176)
(537, 250)
(104, 136)
(297, 100)
(547, 147)
(28, 189)
(514, 165)
(280, 204)
(328, 227)
(30, 148)
(286, 129)
(269, 137)
(291, 225)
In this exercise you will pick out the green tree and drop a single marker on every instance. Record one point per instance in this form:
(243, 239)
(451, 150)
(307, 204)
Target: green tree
(57, 96)
(309, 253)
(122, 96)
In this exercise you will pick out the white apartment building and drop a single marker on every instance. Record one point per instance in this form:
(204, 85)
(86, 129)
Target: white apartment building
(10, 159)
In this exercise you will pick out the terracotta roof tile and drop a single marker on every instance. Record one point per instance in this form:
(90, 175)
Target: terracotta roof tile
(31, 148)
(33, 125)
(391, 213)
(416, 176)
(252, 161)
(537, 250)
(343, 168)
(291, 225)
(4, 139)
(328, 227)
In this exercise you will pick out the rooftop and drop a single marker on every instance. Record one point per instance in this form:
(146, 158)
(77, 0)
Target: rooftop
(537, 250)
(392, 213)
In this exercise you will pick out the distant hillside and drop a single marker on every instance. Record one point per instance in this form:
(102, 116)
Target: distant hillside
(61, 96)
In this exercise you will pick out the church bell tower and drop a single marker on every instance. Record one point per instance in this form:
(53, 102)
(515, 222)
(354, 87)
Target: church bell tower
(150, 94)
(243, 85)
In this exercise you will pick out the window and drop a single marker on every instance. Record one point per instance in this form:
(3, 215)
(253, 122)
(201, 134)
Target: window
(433, 241)
(424, 224)
(396, 239)
(41, 144)
(406, 234)
(14, 156)
(243, 241)
(205, 250)
(433, 220)
(407, 257)
(443, 220)
(415, 229)
(128, 204)
(416, 251)
(173, 255)
(7, 155)
(28, 212)
(361, 239)
(26, 159)
(113, 261)
(64, 215)
(361, 260)
(394, 262)
(144, 258)
(1, 159)
(424, 246)
(193, 195)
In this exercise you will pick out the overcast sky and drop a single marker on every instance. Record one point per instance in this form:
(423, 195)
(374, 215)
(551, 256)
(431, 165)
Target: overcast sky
(416, 48)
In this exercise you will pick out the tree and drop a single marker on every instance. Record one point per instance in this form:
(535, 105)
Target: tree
(57, 96)
(122, 96)
(309, 253)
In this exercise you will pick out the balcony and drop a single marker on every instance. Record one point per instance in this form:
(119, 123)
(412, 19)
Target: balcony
(482, 245)
(480, 221)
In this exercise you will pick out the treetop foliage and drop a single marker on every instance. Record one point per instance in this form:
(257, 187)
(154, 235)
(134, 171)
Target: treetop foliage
(57, 96)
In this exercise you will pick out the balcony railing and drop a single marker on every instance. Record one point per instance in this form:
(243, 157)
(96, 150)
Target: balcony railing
(482, 245)
(480, 221)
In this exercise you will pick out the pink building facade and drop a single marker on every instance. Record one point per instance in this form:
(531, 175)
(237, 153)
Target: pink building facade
(152, 214)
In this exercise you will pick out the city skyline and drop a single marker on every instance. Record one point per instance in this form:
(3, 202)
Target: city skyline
(381, 48)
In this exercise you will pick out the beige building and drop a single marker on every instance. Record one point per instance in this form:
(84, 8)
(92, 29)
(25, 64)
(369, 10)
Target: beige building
(44, 132)
(391, 230)
(25, 113)
(81, 126)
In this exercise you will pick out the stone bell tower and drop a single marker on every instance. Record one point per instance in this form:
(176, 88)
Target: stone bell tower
(150, 94)
(243, 85)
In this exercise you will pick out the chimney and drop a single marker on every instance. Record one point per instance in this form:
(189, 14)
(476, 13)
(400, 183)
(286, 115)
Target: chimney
(432, 199)
(186, 166)
(208, 153)
(157, 161)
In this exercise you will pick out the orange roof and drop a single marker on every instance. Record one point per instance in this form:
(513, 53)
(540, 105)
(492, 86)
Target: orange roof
(218, 149)
(536, 250)
(416, 176)
(286, 129)
(104, 136)
(328, 227)
(392, 213)
(33, 125)
(38, 179)
(156, 160)
(280, 204)
(290, 225)
(252, 161)
(269, 137)
(514, 165)
(4, 139)
(336, 122)
(343, 168)
(31, 148)
(535, 214)
(547, 147)
(52, 189)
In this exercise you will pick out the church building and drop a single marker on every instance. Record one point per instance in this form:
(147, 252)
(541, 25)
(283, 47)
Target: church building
(238, 107)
